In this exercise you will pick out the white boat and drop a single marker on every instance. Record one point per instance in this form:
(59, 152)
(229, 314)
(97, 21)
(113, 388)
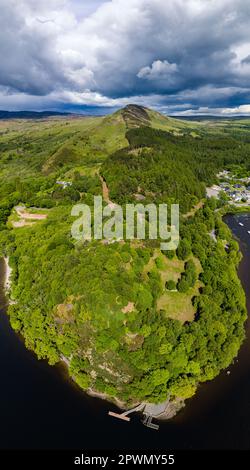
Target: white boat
(248, 232)
(240, 223)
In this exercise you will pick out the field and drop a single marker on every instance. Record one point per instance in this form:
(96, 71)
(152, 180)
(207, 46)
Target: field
(48, 146)
(177, 305)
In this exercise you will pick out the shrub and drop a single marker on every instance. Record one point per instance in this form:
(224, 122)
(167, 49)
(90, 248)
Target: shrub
(184, 249)
(183, 286)
(170, 285)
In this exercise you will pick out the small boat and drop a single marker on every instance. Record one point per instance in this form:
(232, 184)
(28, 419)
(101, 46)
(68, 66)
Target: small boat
(240, 223)
(248, 232)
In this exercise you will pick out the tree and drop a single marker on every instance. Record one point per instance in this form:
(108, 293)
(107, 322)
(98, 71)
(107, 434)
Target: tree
(170, 285)
(183, 388)
(170, 254)
(184, 249)
(144, 299)
(183, 286)
(159, 377)
(160, 263)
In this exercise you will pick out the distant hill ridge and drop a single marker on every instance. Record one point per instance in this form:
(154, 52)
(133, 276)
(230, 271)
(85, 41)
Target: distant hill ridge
(30, 114)
(212, 117)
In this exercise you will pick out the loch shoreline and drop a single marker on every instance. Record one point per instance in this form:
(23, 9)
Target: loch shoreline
(171, 408)
(217, 417)
(7, 275)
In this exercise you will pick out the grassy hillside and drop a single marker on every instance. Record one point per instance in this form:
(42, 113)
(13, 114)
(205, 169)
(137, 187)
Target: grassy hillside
(138, 116)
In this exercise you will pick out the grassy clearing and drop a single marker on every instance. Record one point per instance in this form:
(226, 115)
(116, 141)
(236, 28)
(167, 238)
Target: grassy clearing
(172, 268)
(172, 271)
(176, 305)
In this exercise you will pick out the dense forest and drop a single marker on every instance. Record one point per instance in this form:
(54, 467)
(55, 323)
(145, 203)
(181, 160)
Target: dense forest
(170, 168)
(131, 321)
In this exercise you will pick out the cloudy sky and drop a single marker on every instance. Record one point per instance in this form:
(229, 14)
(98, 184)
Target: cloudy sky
(179, 56)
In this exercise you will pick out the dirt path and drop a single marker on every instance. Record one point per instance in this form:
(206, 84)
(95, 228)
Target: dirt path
(105, 191)
(29, 216)
(194, 210)
(26, 219)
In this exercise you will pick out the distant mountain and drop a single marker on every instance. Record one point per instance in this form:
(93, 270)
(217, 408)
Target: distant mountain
(135, 116)
(30, 114)
(209, 117)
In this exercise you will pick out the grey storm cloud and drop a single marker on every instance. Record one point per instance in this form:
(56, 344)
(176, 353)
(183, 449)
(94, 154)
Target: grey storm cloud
(246, 60)
(180, 51)
(27, 64)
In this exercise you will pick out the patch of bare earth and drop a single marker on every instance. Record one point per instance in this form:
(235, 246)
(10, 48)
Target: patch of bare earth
(26, 219)
(29, 215)
(64, 313)
(22, 223)
(129, 308)
(134, 341)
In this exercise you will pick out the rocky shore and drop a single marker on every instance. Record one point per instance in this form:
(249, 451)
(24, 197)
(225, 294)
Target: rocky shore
(8, 272)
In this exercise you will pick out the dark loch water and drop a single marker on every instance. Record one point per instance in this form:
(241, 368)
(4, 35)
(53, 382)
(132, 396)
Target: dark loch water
(41, 409)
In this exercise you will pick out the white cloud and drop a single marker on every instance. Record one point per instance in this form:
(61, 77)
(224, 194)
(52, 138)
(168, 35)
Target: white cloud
(159, 70)
(243, 110)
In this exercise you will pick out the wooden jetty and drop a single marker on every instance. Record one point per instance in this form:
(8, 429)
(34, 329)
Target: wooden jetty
(120, 416)
(150, 411)
(124, 416)
(147, 421)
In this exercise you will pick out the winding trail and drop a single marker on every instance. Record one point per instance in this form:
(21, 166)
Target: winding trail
(105, 193)
(105, 190)
(192, 212)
